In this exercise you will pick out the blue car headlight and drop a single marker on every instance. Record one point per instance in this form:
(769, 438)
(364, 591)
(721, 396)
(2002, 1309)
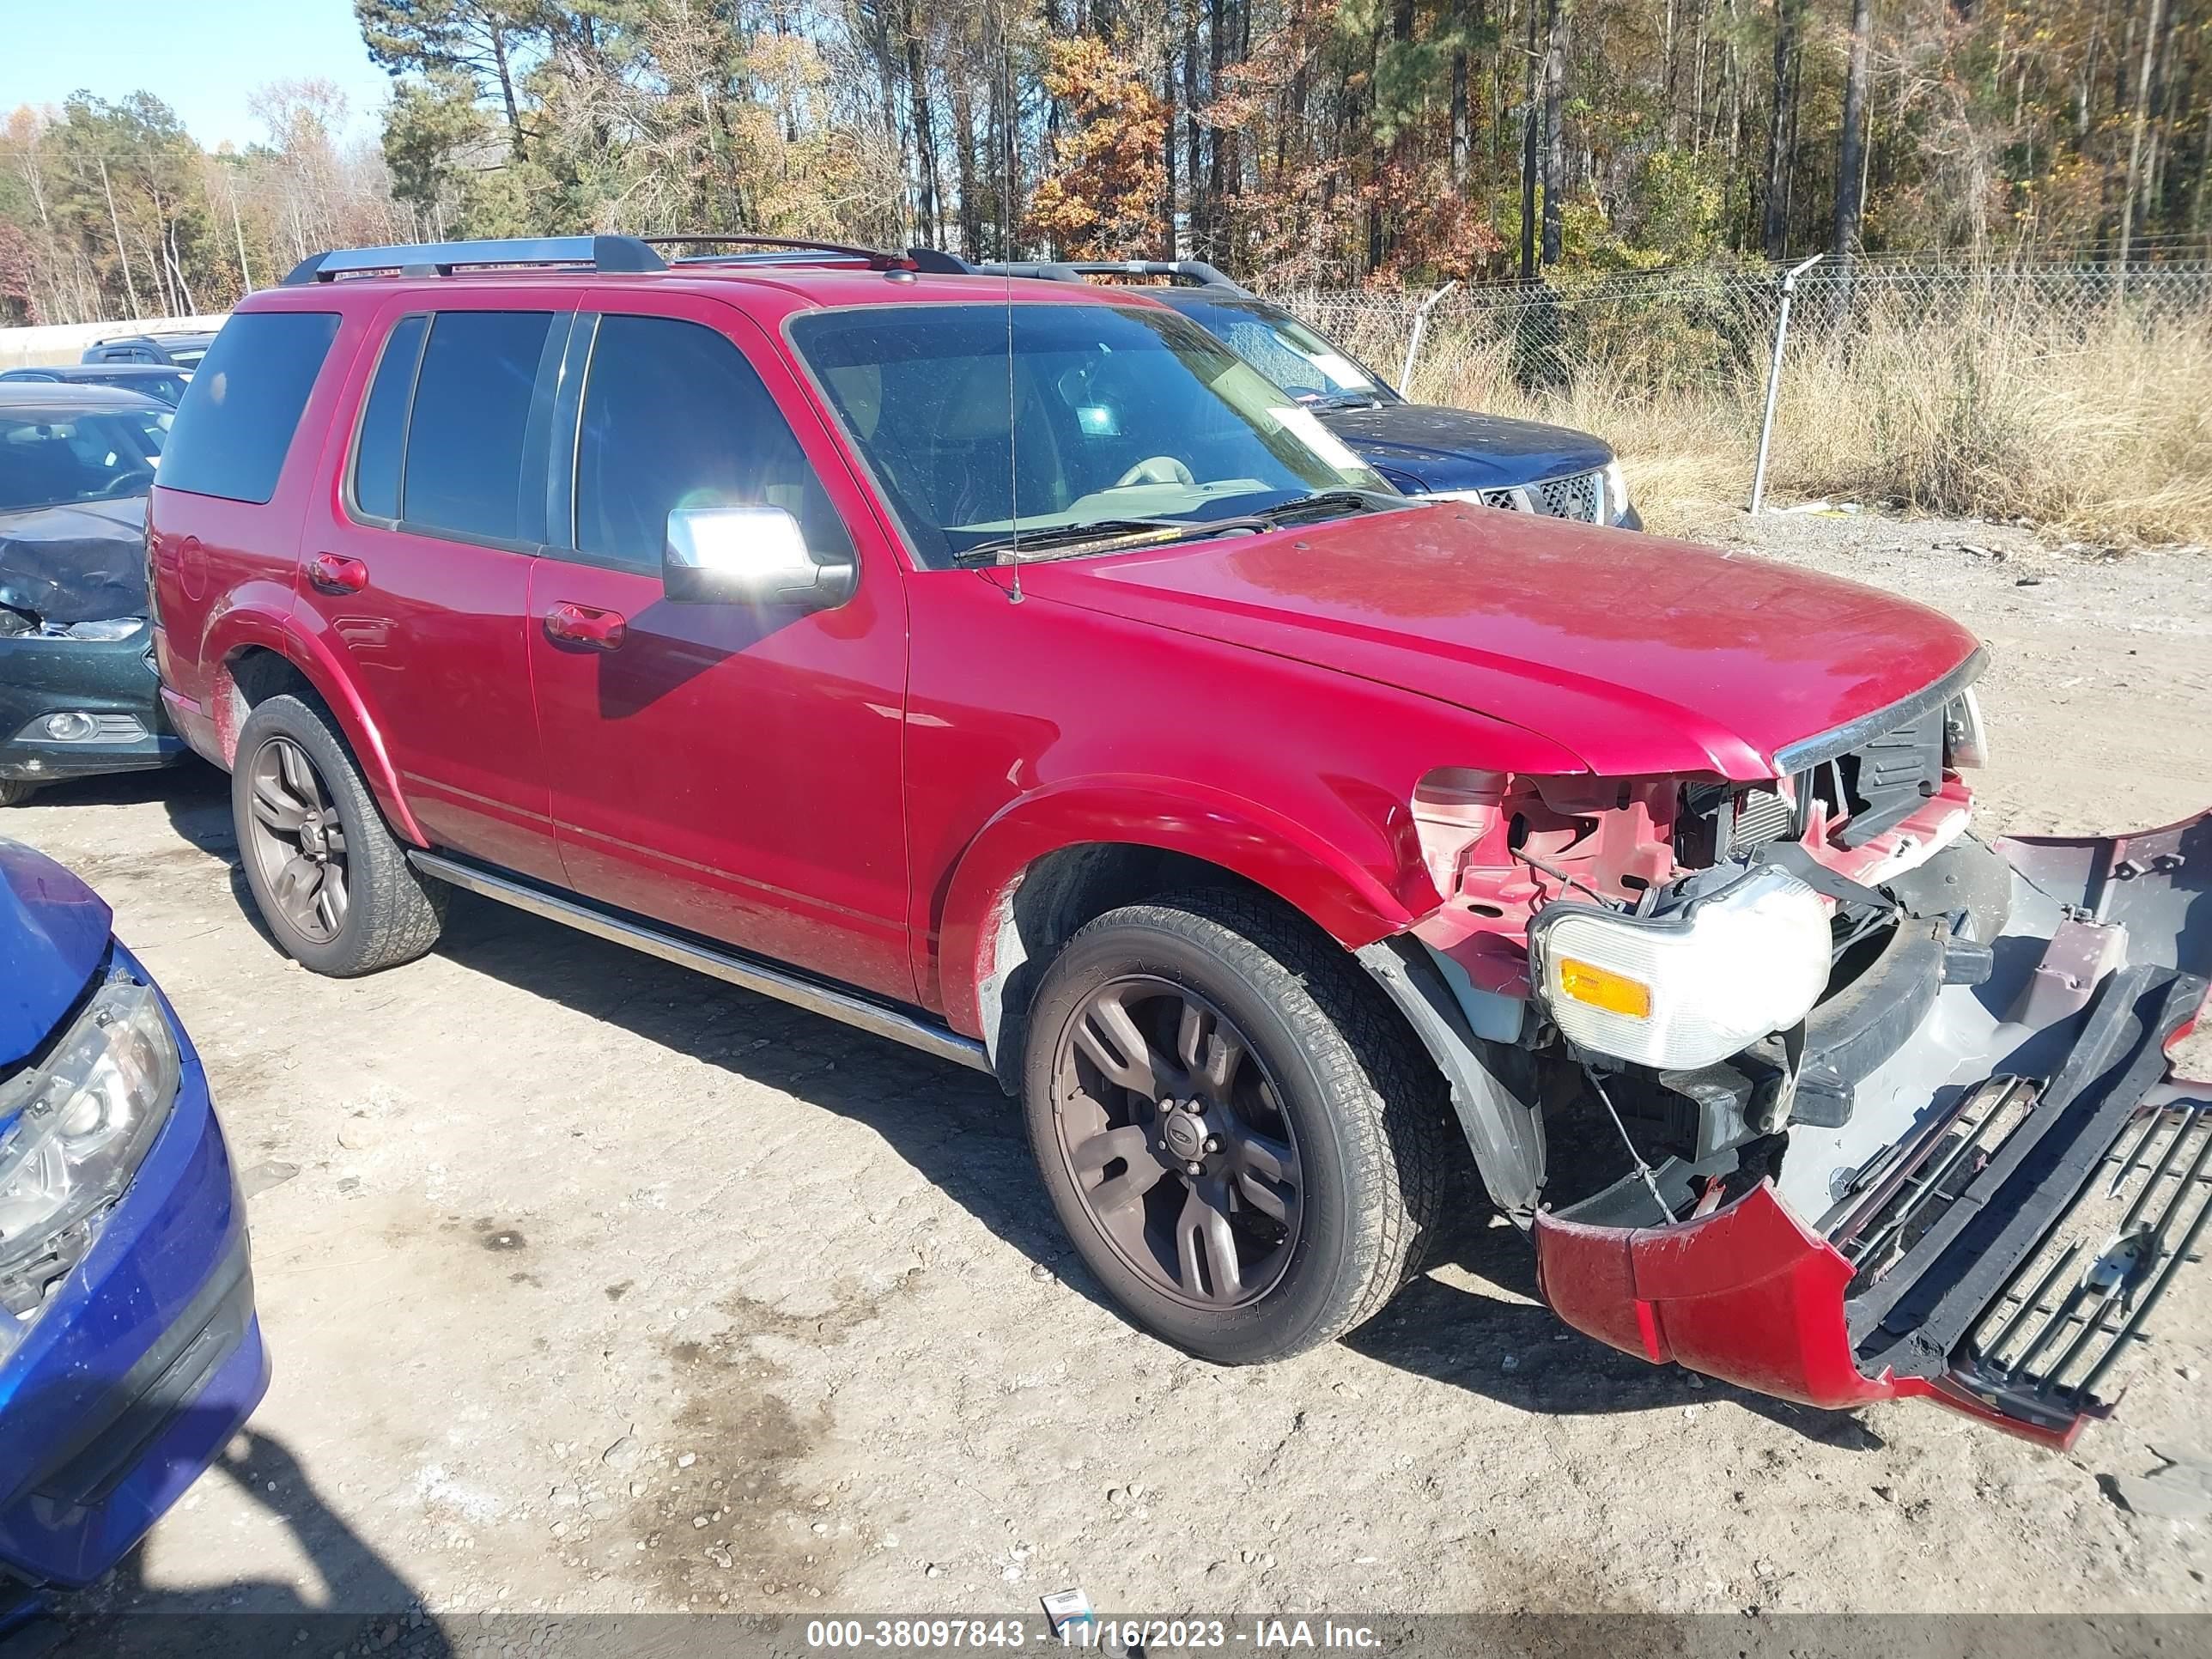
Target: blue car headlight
(73, 1130)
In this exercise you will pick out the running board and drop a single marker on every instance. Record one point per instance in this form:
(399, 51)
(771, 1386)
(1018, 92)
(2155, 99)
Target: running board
(880, 1018)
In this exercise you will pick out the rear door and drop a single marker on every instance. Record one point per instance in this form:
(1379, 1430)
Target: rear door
(416, 566)
(733, 771)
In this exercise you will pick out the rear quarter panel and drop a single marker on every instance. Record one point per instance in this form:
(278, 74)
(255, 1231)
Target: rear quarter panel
(223, 571)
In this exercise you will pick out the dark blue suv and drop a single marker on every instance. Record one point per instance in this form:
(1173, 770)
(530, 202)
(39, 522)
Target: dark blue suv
(1424, 449)
(130, 1352)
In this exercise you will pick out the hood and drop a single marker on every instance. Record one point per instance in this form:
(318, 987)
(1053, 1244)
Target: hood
(53, 933)
(1438, 448)
(85, 562)
(1641, 656)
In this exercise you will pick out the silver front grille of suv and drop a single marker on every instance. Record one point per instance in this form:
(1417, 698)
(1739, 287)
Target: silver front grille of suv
(1579, 495)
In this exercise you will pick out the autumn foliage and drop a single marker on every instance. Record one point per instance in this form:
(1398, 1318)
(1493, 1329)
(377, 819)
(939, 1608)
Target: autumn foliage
(1100, 199)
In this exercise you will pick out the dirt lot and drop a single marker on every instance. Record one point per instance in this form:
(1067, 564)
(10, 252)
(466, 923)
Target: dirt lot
(595, 1285)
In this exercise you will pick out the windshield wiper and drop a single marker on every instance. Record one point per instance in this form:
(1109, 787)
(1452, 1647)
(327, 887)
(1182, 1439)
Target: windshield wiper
(1341, 400)
(1107, 531)
(1324, 503)
(1067, 535)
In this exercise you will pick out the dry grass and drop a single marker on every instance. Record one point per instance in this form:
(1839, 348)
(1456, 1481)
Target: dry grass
(2097, 430)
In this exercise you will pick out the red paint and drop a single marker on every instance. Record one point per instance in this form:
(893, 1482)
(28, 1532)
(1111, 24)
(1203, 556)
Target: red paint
(329, 573)
(859, 790)
(579, 624)
(1748, 1294)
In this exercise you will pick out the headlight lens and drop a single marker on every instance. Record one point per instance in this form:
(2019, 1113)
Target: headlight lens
(75, 1131)
(1677, 991)
(108, 628)
(1616, 491)
(1966, 743)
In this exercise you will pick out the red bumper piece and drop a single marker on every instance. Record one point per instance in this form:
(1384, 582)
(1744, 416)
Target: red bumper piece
(1747, 1295)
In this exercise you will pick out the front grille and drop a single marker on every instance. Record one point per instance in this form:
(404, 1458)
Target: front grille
(2073, 1307)
(1574, 497)
(1895, 1199)
(1580, 495)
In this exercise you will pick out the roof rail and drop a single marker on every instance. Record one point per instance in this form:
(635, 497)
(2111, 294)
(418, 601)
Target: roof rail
(876, 257)
(605, 254)
(1196, 272)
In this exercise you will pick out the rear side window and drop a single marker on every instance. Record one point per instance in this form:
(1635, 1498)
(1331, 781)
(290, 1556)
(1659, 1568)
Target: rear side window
(675, 416)
(471, 419)
(239, 413)
(383, 422)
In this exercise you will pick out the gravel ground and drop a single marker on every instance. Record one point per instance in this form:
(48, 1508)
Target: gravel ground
(594, 1285)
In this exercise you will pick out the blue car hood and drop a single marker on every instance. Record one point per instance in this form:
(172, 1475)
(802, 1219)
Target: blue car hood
(53, 933)
(1424, 446)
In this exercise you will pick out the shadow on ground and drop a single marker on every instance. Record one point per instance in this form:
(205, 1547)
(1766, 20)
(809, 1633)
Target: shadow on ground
(364, 1604)
(961, 1135)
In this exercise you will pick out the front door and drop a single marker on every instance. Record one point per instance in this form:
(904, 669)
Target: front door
(732, 770)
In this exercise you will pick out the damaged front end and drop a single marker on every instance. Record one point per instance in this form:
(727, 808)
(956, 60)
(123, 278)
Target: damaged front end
(1986, 1177)
(1799, 1084)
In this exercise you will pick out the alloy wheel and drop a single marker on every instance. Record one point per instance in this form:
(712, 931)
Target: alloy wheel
(1174, 1135)
(298, 843)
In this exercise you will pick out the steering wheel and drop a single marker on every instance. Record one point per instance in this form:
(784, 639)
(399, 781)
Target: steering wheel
(1156, 470)
(125, 483)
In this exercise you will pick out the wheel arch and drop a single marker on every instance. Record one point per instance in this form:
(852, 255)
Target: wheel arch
(257, 657)
(1054, 861)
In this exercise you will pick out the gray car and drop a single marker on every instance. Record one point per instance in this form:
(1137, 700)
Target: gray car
(78, 692)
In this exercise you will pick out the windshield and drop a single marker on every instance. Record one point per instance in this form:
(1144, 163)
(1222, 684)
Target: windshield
(1125, 413)
(51, 461)
(1287, 351)
(187, 356)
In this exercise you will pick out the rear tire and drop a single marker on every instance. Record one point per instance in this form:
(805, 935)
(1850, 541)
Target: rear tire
(331, 880)
(1291, 1184)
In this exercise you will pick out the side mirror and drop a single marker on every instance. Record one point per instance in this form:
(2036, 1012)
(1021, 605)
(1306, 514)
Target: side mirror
(749, 556)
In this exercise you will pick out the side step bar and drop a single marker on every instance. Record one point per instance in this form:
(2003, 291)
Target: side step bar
(882, 1019)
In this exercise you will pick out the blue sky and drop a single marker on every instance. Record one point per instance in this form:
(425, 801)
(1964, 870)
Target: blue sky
(202, 57)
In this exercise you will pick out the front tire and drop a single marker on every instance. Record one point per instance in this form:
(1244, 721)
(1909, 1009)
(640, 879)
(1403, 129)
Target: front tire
(331, 880)
(14, 791)
(1240, 1139)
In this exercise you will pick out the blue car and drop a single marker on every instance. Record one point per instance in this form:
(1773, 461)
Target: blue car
(1422, 449)
(130, 1352)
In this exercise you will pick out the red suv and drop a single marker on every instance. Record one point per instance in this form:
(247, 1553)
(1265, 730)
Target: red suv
(1005, 668)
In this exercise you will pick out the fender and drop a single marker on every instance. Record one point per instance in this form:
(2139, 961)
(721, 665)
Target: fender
(1335, 886)
(242, 627)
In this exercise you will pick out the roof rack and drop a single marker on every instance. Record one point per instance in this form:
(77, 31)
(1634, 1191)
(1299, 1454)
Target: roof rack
(1195, 271)
(604, 253)
(876, 257)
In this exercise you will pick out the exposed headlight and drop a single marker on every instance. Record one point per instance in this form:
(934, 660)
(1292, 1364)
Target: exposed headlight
(77, 1129)
(108, 628)
(1676, 992)
(1616, 492)
(1966, 743)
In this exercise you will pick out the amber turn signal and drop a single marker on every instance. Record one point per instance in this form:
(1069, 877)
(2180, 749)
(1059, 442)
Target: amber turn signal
(1600, 987)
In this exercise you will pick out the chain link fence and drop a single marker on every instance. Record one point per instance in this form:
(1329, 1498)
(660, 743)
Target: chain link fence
(1699, 344)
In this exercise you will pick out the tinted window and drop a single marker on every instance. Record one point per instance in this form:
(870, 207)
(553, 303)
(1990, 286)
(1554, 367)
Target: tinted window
(979, 419)
(1283, 350)
(238, 415)
(675, 416)
(47, 460)
(383, 422)
(464, 442)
